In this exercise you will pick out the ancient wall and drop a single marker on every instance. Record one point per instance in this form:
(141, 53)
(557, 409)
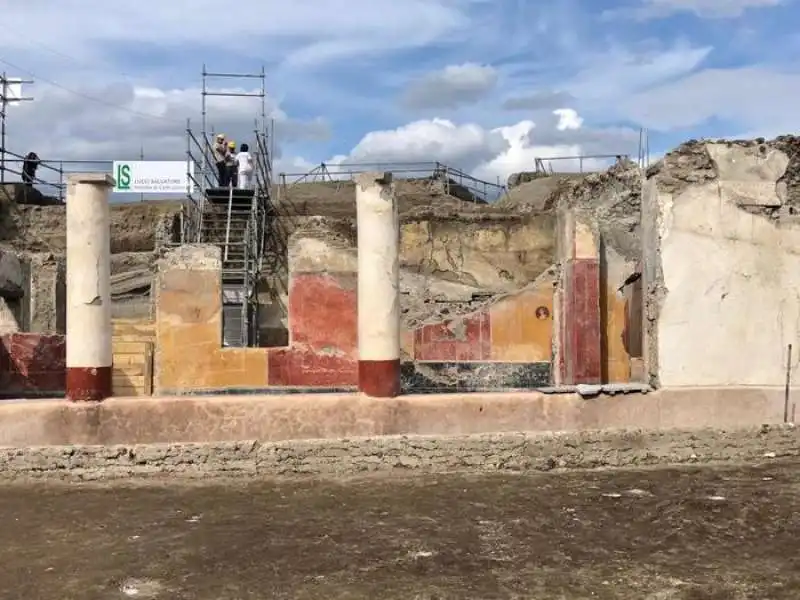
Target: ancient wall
(497, 253)
(503, 342)
(722, 264)
(610, 202)
(189, 356)
(13, 300)
(507, 344)
(323, 336)
(32, 365)
(450, 263)
(36, 236)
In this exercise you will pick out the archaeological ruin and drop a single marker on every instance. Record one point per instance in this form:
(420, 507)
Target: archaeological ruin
(658, 295)
(621, 277)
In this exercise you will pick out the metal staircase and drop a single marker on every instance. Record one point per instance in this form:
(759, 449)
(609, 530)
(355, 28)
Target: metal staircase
(229, 221)
(233, 219)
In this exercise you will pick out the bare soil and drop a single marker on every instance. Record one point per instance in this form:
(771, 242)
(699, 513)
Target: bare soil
(700, 533)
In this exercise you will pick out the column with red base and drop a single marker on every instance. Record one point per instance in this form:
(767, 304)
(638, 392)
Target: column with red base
(378, 286)
(88, 287)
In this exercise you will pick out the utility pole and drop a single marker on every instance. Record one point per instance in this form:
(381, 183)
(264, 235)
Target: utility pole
(10, 93)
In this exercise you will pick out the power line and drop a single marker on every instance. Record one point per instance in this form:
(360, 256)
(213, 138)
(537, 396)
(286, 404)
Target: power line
(86, 96)
(95, 66)
(5, 100)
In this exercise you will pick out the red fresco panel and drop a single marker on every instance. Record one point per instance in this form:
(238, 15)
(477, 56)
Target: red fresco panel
(305, 367)
(465, 339)
(582, 323)
(323, 326)
(322, 313)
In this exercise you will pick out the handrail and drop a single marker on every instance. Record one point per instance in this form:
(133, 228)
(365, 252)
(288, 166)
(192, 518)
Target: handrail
(228, 225)
(18, 158)
(263, 179)
(245, 333)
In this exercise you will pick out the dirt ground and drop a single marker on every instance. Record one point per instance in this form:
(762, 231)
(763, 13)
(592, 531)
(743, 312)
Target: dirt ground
(700, 533)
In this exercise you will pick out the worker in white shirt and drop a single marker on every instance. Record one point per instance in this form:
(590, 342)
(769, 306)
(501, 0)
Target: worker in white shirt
(244, 167)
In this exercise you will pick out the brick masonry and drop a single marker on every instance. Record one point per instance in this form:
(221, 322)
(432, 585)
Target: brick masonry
(32, 365)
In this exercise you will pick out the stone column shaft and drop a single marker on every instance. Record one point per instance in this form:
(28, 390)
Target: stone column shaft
(378, 286)
(89, 355)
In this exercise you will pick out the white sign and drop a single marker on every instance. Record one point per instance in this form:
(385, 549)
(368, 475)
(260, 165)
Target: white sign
(152, 176)
(12, 91)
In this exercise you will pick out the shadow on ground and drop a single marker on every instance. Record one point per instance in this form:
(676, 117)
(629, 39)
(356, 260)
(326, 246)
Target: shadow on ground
(667, 534)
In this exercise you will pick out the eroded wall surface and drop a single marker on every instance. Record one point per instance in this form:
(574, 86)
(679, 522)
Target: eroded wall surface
(500, 254)
(723, 267)
(32, 365)
(504, 342)
(449, 260)
(508, 344)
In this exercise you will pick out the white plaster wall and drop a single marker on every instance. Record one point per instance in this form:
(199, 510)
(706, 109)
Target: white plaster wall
(732, 279)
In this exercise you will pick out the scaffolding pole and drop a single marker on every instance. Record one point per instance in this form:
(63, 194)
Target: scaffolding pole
(252, 241)
(262, 93)
(5, 101)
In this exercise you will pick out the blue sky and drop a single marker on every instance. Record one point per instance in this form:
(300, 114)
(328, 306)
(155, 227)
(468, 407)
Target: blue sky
(472, 83)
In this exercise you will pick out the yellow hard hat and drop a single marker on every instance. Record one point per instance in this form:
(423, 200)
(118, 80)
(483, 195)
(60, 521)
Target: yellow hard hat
(231, 144)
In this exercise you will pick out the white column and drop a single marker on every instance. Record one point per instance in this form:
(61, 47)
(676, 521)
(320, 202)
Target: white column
(378, 286)
(88, 287)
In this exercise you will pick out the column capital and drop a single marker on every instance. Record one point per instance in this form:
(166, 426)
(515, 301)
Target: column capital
(91, 178)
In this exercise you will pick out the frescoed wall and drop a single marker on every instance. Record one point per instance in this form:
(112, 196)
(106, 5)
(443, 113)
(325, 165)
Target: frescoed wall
(32, 365)
(189, 356)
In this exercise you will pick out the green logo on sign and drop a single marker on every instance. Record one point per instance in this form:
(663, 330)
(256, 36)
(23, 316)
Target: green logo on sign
(123, 177)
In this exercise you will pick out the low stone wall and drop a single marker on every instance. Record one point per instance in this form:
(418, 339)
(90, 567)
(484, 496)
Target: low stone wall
(402, 454)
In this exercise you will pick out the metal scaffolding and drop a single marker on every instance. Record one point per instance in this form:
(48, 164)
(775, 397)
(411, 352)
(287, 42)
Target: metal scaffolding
(233, 219)
(240, 76)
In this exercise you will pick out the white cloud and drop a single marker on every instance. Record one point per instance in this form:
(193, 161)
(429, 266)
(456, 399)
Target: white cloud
(524, 148)
(753, 98)
(710, 9)
(60, 125)
(123, 120)
(430, 140)
(568, 119)
(320, 30)
(493, 154)
(363, 46)
(622, 71)
(451, 87)
(538, 100)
